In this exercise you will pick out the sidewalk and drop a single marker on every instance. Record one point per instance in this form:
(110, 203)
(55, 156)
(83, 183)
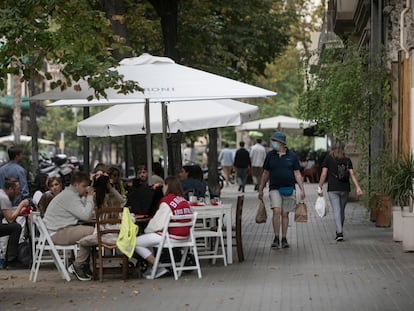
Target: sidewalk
(368, 271)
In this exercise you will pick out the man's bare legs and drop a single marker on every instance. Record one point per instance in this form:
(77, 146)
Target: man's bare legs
(277, 215)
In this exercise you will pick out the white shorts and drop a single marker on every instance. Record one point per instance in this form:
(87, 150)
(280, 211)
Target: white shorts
(287, 203)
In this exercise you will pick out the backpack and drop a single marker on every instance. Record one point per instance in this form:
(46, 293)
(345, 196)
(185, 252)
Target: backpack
(342, 172)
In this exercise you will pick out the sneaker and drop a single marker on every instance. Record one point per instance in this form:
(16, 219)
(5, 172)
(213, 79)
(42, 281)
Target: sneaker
(285, 244)
(339, 237)
(276, 243)
(79, 272)
(160, 272)
(87, 269)
(15, 265)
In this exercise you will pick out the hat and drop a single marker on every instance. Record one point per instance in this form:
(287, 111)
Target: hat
(280, 137)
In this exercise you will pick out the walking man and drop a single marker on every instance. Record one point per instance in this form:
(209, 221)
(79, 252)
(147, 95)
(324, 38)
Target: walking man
(257, 157)
(242, 164)
(282, 169)
(226, 161)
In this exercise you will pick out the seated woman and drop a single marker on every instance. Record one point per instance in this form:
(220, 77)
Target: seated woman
(40, 187)
(55, 187)
(191, 177)
(116, 181)
(172, 203)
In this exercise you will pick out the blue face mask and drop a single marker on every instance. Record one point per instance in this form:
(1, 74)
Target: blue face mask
(275, 145)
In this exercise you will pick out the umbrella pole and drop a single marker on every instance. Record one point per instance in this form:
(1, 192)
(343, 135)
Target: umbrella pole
(164, 137)
(148, 137)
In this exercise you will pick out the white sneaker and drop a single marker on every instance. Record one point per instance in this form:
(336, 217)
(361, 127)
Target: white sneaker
(160, 272)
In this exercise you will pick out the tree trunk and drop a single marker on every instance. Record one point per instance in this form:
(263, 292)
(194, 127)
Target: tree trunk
(167, 11)
(139, 154)
(115, 11)
(174, 153)
(213, 183)
(33, 128)
(17, 94)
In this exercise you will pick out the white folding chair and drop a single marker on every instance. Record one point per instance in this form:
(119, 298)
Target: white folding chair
(208, 252)
(44, 243)
(170, 243)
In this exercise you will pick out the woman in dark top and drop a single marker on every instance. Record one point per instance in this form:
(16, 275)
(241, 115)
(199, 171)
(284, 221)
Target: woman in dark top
(338, 169)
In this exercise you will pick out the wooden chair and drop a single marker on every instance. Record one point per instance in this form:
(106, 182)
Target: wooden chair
(186, 246)
(106, 257)
(56, 253)
(237, 229)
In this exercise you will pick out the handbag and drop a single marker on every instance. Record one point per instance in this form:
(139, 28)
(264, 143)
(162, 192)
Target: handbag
(320, 207)
(301, 212)
(261, 215)
(127, 234)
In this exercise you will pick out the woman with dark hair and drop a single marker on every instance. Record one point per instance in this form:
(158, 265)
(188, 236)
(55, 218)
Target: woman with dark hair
(55, 187)
(191, 177)
(116, 181)
(105, 194)
(337, 167)
(40, 187)
(173, 203)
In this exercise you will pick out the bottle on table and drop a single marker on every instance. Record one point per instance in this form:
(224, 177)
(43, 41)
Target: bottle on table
(207, 196)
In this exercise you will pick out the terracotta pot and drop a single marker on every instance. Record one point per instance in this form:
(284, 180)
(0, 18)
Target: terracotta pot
(384, 209)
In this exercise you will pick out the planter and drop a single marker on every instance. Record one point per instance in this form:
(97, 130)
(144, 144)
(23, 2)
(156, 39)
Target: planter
(373, 209)
(397, 222)
(408, 231)
(383, 212)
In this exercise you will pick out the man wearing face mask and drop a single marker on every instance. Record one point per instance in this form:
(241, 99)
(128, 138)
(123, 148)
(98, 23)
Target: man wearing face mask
(282, 169)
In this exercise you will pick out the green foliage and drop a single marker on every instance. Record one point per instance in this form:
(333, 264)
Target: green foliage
(73, 34)
(343, 92)
(397, 179)
(233, 38)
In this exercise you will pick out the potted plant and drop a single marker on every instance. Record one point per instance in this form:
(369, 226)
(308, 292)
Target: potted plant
(400, 189)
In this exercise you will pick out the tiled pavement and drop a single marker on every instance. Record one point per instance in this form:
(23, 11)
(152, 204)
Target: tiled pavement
(368, 271)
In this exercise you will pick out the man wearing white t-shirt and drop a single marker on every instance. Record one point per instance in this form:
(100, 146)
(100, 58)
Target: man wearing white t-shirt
(257, 157)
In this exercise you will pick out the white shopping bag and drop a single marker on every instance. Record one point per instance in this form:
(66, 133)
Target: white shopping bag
(320, 206)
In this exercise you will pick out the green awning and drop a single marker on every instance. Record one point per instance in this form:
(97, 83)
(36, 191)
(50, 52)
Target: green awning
(7, 102)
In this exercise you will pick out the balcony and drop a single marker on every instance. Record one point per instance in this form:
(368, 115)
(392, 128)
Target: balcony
(343, 15)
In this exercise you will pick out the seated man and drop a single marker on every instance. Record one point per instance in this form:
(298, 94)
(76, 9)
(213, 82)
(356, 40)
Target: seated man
(191, 177)
(63, 217)
(9, 194)
(143, 199)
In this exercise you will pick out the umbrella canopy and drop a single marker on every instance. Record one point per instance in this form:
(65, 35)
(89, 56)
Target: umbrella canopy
(282, 123)
(24, 138)
(163, 81)
(126, 119)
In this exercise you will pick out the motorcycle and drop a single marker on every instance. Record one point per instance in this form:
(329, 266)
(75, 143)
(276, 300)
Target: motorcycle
(57, 166)
(220, 176)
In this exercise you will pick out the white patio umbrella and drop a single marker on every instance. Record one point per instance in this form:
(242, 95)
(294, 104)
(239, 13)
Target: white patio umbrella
(163, 81)
(25, 138)
(282, 123)
(127, 119)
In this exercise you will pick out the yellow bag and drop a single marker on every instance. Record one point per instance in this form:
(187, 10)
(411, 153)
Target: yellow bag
(127, 235)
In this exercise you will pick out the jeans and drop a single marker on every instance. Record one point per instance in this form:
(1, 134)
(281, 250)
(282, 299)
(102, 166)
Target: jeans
(13, 230)
(338, 201)
(242, 177)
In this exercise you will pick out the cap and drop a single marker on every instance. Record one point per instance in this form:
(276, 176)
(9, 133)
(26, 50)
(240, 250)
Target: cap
(280, 137)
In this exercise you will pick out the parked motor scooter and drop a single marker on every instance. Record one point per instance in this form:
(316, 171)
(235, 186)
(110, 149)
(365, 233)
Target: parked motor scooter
(57, 166)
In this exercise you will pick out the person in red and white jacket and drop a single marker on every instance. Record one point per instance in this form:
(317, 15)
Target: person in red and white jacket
(173, 203)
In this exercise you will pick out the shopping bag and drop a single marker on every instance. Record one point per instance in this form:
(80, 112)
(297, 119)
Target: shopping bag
(127, 235)
(320, 206)
(301, 212)
(261, 215)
